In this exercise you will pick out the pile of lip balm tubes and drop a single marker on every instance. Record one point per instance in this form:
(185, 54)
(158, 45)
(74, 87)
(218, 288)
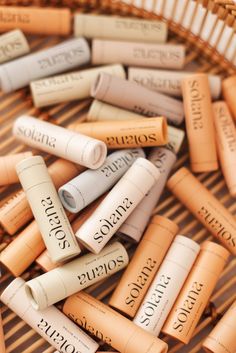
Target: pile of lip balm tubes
(110, 173)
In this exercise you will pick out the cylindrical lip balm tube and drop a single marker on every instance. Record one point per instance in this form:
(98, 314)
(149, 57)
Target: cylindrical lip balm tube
(69, 87)
(222, 337)
(195, 294)
(71, 337)
(226, 143)
(167, 284)
(80, 191)
(13, 44)
(59, 141)
(199, 123)
(228, 90)
(75, 276)
(205, 207)
(111, 327)
(2, 343)
(129, 95)
(47, 209)
(145, 262)
(118, 205)
(7, 167)
(62, 57)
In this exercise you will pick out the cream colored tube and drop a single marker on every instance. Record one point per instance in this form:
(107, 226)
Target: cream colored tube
(63, 281)
(12, 45)
(80, 191)
(69, 87)
(51, 324)
(60, 142)
(118, 205)
(65, 56)
(7, 167)
(47, 209)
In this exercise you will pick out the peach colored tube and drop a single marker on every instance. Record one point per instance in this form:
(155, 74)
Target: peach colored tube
(2, 339)
(138, 99)
(205, 207)
(12, 45)
(229, 89)
(196, 292)
(7, 167)
(100, 320)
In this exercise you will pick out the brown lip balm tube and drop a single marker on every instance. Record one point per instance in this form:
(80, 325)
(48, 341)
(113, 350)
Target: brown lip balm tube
(8, 163)
(229, 92)
(111, 327)
(199, 123)
(205, 207)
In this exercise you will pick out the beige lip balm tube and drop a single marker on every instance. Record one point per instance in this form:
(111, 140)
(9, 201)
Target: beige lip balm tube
(111, 327)
(222, 337)
(2, 339)
(75, 276)
(69, 87)
(47, 209)
(205, 207)
(130, 95)
(59, 141)
(167, 284)
(196, 292)
(127, 134)
(226, 143)
(169, 56)
(80, 191)
(64, 334)
(12, 45)
(139, 274)
(228, 90)
(199, 123)
(61, 57)
(30, 20)
(7, 167)
(118, 205)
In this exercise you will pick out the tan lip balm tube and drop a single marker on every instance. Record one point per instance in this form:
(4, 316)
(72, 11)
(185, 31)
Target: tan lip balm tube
(167, 284)
(127, 134)
(80, 191)
(169, 56)
(138, 99)
(134, 226)
(61, 57)
(229, 90)
(7, 167)
(72, 339)
(12, 45)
(222, 337)
(199, 123)
(169, 81)
(69, 87)
(111, 327)
(30, 20)
(205, 207)
(226, 143)
(75, 276)
(118, 205)
(2, 339)
(196, 292)
(139, 274)
(47, 209)
(59, 141)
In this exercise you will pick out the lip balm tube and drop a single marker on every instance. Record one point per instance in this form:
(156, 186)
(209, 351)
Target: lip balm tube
(134, 226)
(59, 141)
(139, 274)
(7, 167)
(12, 45)
(138, 99)
(169, 81)
(64, 334)
(30, 19)
(196, 292)
(222, 337)
(100, 320)
(80, 191)
(167, 284)
(2, 344)
(69, 87)
(126, 134)
(61, 57)
(199, 123)
(170, 56)
(228, 90)
(205, 207)
(226, 143)
(118, 205)
(49, 214)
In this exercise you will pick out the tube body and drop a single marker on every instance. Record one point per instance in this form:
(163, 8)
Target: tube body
(12, 45)
(228, 90)
(8, 163)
